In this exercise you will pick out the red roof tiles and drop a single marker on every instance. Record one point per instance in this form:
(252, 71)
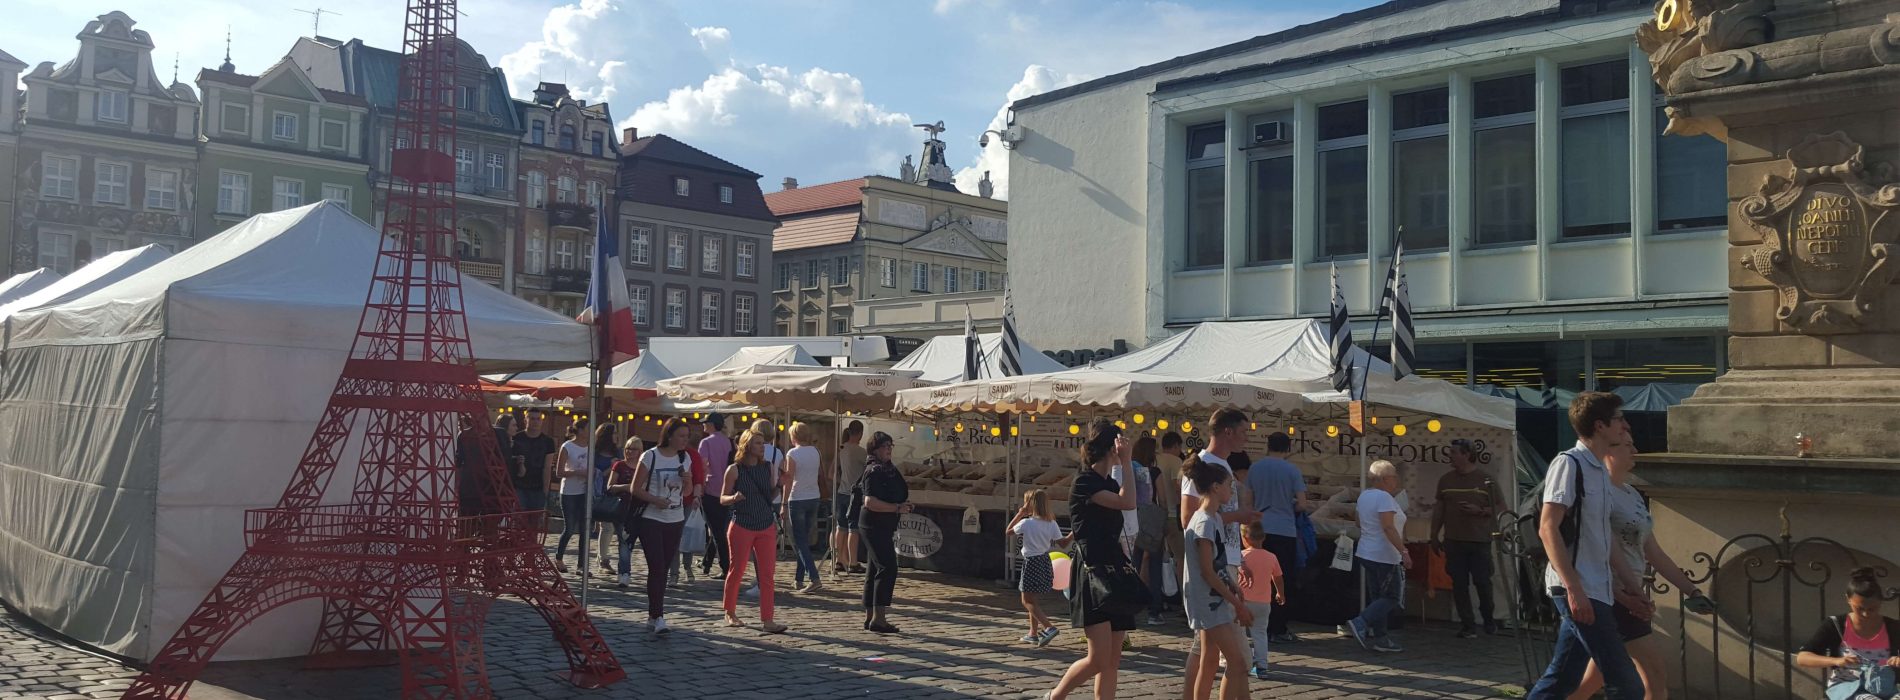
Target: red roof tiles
(831, 195)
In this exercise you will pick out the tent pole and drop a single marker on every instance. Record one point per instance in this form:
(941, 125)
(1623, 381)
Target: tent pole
(599, 331)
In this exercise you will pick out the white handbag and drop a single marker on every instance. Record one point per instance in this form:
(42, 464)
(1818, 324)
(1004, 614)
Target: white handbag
(1169, 586)
(1342, 553)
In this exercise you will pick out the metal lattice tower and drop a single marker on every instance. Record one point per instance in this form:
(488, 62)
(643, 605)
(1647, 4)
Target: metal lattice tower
(401, 570)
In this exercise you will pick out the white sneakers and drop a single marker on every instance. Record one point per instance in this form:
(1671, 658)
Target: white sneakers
(658, 625)
(623, 580)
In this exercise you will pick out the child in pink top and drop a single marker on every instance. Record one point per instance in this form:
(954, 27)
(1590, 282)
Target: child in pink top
(1261, 586)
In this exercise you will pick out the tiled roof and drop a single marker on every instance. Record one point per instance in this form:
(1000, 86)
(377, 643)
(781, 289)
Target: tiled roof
(7, 59)
(242, 80)
(831, 195)
(672, 150)
(376, 75)
(814, 231)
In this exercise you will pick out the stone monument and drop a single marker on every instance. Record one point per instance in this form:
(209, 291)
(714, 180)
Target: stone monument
(1806, 93)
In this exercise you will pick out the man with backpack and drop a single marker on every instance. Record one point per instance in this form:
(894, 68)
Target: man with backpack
(1575, 528)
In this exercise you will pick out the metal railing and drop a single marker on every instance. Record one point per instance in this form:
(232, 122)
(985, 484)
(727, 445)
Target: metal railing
(348, 529)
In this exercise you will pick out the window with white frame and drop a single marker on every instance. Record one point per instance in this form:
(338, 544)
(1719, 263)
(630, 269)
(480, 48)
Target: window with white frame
(564, 253)
(1342, 180)
(465, 164)
(333, 135)
(111, 106)
(742, 313)
(709, 253)
(1206, 196)
(594, 194)
(811, 272)
(337, 193)
(682, 187)
(1596, 149)
(639, 245)
(234, 192)
(111, 182)
(980, 281)
(841, 270)
(887, 272)
(587, 254)
(564, 190)
(725, 194)
(1270, 197)
(841, 326)
(745, 261)
(286, 194)
(537, 189)
(920, 277)
(1421, 192)
(537, 253)
(235, 118)
(676, 308)
(106, 245)
(1691, 180)
(709, 311)
(784, 276)
(640, 301)
(952, 280)
(676, 246)
(1504, 160)
(468, 97)
(59, 177)
(497, 170)
(161, 188)
(56, 251)
(283, 126)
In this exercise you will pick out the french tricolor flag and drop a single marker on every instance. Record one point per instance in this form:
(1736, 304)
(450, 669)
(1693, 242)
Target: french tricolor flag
(607, 298)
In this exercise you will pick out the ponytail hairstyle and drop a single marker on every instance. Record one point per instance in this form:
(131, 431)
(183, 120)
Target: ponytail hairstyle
(1101, 441)
(1204, 475)
(1864, 582)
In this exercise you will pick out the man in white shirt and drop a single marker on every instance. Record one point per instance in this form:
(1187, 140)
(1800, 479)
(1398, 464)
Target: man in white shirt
(1226, 434)
(1575, 529)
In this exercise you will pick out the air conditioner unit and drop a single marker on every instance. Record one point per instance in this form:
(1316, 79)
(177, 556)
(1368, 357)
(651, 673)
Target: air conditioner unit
(1271, 134)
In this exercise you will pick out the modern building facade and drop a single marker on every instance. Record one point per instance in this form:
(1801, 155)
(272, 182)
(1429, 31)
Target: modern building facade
(868, 255)
(1555, 238)
(107, 154)
(277, 141)
(10, 69)
(568, 161)
(696, 239)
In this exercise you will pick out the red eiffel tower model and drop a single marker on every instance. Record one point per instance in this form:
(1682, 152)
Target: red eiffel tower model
(400, 567)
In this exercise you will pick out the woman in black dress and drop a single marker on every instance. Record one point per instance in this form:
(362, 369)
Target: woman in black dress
(1095, 514)
(886, 500)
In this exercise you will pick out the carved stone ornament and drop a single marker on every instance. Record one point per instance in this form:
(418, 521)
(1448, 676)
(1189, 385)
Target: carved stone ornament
(1827, 235)
(1684, 30)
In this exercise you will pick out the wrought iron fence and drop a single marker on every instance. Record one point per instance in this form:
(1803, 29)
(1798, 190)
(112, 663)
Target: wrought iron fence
(1771, 591)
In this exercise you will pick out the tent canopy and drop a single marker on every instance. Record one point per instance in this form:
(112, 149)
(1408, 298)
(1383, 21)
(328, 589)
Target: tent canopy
(766, 355)
(26, 283)
(297, 277)
(99, 274)
(941, 358)
(797, 387)
(1094, 388)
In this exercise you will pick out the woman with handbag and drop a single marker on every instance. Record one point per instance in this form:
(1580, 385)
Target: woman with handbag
(661, 483)
(1107, 591)
(1860, 651)
(886, 499)
(750, 484)
(619, 483)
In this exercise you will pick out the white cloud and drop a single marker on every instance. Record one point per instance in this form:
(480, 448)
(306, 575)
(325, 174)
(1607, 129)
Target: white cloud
(994, 159)
(605, 50)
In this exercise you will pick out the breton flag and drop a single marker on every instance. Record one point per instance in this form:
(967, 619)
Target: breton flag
(1341, 334)
(1398, 302)
(972, 348)
(607, 299)
(1012, 346)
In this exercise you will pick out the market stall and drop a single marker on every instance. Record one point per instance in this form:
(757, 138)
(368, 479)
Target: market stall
(941, 359)
(94, 276)
(26, 283)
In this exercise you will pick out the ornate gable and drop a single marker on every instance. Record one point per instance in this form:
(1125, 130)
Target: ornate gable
(953, 236)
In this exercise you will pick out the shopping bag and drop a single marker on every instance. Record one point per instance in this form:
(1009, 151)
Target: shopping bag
(972, 522)
(1342, 553)
(1169, 586)
(693, 539)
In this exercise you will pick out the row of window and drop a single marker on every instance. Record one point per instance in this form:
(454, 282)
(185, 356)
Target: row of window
(234, 193)
(1594, 167)
(710, 312)
(924, 277)
(639, 252)
(332, 134)
(60, 250)
(683, 187)
(111, 182)
(565, 190)
(538, 135)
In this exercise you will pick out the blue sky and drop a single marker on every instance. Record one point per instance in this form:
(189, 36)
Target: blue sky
(820, 90)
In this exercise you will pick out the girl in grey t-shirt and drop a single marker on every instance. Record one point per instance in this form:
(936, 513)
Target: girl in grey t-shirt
(1212, 600)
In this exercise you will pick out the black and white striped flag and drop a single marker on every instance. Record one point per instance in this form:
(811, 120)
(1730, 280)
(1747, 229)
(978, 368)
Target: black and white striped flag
(1012, 346)
(1398, 302)
(972, 349)
(1341, 334)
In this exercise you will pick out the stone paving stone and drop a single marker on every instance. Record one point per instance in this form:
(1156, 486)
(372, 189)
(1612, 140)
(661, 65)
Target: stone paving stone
(958, 641)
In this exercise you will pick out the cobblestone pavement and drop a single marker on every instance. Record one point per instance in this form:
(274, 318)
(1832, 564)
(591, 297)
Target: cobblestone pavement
(959, 640)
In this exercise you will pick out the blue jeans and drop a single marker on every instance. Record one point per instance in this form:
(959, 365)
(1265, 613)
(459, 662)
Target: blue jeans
(1151, 565)
(573, 508)
(1385, 589)
(804, 516)
(532, 500)
(1577, 645)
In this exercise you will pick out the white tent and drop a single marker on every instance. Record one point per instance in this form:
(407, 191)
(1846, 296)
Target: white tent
(766, 355)
(941, 359)
(26, 283)
(144, 418)
(797, 387)
(1090, 389)
(95, 276)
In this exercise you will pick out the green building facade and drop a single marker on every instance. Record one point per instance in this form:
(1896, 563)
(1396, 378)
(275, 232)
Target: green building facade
(276, 141)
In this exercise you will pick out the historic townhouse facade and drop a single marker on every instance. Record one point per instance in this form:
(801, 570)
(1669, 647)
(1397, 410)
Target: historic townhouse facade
(107, 154)
(696, 238)
(10, 68)
(569, 159)
(277, 141)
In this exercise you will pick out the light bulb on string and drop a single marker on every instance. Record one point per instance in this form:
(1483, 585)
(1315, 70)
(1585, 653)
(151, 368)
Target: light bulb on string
(1399, 429)
(1433, 425)
(1290, 431)
(1375, 420)
(1075, 429)
(1139, 419)
(1121, 424)
(1332, 431)
(959, 426)
(1253, 426)
(1013, 432)
(1162, 424)
(913, 428)
(1187, 427)
(996, 432)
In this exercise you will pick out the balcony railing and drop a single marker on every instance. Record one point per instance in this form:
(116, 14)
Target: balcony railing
(570, 214)
(485, 269)
(572, 281)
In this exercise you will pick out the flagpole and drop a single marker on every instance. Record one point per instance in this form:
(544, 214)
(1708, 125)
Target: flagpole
(602, 335)
(1378, 316)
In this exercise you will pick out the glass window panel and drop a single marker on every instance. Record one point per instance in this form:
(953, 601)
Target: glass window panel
(1343, 120)
(1342, 202)
(1551, 364)
(1691, 180)
(1423, 192)
(1207, 203)
(1422, 108)
(1270, 216)
(1208, 141)
(1497, 97)
(1505, 164)
(1596, 82)
(1636, 362)
(1596, 175)
(1444, 361)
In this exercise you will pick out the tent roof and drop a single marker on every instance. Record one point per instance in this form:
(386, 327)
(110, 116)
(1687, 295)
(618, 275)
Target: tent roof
(295, 278)
(797, 387)
(941, 358)
(97, 275)
(766, 355)
(1294, 354)
(643, 372)
(26, 283)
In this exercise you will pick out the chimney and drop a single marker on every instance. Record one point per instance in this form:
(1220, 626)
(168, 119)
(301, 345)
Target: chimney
(790, 183)
(629, 135)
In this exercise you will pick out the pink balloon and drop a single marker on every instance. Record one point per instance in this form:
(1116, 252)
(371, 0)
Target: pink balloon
(1061, 567)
